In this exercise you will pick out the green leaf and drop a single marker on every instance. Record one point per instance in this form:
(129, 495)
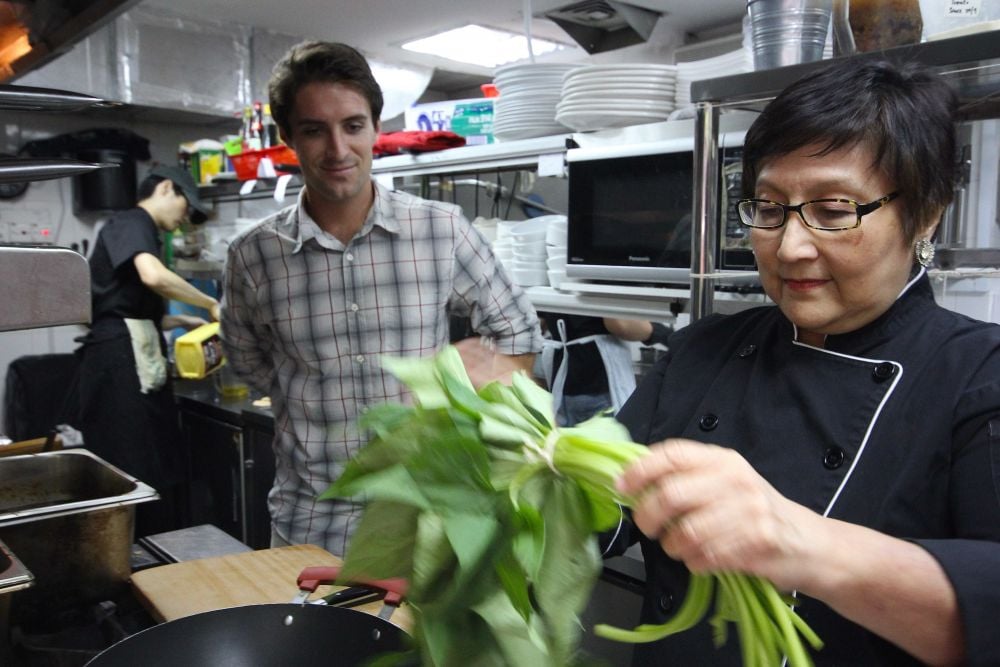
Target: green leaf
(531, 419)
(519, 642)
(529, 540)
(448, 363)
(433, 558)
(535, 399)
(500, 432)
(471, 537)
(392, 484)
(421, 378)
(570, 565)
(515, 584)
(382, 545)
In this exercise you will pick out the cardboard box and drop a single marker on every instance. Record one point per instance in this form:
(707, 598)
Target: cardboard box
(469, 118)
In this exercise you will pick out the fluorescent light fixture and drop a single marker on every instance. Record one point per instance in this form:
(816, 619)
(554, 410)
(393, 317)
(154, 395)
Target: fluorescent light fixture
(479, 45)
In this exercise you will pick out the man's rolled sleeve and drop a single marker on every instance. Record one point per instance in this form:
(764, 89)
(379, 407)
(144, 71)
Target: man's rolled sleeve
(484, 291)
(245, 339)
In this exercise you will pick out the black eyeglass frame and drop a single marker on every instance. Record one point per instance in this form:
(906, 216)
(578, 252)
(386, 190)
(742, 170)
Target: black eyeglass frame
(861, 210)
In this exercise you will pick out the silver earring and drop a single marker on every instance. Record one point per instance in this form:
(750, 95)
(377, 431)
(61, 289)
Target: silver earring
(924, 251)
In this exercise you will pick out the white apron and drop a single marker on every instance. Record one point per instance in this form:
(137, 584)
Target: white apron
(615, 354)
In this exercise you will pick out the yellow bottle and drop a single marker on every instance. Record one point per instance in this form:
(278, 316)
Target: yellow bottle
(199, 352)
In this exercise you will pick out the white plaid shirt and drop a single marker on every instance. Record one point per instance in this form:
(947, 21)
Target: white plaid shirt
(305, 319)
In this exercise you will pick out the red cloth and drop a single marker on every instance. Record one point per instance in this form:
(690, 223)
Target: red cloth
(415, 141)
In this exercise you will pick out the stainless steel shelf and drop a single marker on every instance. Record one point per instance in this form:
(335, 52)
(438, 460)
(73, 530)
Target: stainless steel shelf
(971, 62)
(623, 301)
(471, 159)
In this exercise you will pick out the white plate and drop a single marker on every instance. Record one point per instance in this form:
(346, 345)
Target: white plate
(618, 68)
(533, 67)
(618, 83)
(611, 79)
(594, 96)
(540, 89)
(611, 105)
(584, 121)
(530, 76)
(599, 87)
(531, 133)
(515, 118)
(548, 100)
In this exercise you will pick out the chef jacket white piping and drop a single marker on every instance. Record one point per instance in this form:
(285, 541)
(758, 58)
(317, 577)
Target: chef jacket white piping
(871, 424)
(885, 399)
(618, 530)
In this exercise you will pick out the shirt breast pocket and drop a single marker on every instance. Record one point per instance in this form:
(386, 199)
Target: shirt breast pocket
(414, 320)
(309, 329)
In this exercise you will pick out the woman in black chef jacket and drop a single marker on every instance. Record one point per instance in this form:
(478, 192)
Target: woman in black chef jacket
(844, 443)
(127, 411)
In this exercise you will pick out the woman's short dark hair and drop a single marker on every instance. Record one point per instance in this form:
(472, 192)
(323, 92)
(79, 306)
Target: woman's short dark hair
(904, 113)
(328, 62)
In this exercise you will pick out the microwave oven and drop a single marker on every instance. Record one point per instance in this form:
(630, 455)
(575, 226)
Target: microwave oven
(630, 208)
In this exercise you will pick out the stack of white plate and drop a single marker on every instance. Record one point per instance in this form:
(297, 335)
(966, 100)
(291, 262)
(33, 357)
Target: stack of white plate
(616, 95)
(526, 107)
(726, 64)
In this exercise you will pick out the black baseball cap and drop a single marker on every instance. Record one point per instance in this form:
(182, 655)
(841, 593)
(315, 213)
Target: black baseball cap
(182, 178)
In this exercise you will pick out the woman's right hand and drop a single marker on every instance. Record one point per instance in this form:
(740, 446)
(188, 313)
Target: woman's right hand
(710, 509)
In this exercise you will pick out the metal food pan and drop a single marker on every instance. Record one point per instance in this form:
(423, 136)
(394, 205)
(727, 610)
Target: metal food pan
(69, 516)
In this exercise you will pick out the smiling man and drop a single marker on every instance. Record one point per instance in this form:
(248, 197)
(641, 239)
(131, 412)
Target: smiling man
(315, 294)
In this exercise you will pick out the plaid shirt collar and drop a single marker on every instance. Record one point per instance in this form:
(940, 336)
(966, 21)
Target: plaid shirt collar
(299, 226)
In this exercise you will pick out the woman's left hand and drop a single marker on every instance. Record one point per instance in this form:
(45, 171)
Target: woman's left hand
(710, 509)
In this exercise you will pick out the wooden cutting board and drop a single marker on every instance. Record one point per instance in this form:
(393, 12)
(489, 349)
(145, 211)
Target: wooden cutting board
(254, 577)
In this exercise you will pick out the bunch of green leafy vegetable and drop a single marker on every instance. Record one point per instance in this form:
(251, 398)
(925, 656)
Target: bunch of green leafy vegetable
(491, 514)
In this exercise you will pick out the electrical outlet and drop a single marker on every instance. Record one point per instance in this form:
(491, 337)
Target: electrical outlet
(30, 226)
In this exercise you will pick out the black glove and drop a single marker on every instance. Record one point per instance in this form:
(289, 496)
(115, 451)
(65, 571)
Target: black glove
(661, 333)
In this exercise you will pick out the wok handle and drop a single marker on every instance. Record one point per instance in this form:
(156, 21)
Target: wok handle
(312, 577)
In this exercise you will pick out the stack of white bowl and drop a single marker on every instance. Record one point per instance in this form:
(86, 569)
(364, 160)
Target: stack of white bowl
(556, 249)
(527, 268)
(526, 107)
(616, 95)
(503, 242)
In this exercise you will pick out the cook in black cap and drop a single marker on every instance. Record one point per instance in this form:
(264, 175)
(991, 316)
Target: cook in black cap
(128, 415)
(183, 181)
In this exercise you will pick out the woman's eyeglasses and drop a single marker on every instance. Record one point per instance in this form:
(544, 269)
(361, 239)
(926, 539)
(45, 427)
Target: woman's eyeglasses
(829, 215)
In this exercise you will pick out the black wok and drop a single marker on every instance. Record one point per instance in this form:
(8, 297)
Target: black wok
(262, 635)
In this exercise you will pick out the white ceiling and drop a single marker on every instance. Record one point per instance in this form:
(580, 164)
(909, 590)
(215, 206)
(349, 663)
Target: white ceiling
(378, 27)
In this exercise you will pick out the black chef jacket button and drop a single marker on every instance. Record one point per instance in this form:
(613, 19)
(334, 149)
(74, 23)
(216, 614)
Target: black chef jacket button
(708, 422)
(883, 371)
(666, 603)
(747, 351)
(833, 458)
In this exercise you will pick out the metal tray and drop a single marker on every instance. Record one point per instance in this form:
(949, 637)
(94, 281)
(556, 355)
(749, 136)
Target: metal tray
(60, 483)
(69, 516)
(13, 574)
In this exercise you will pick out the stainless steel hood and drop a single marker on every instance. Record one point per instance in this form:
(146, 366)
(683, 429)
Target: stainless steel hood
(33, 32)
